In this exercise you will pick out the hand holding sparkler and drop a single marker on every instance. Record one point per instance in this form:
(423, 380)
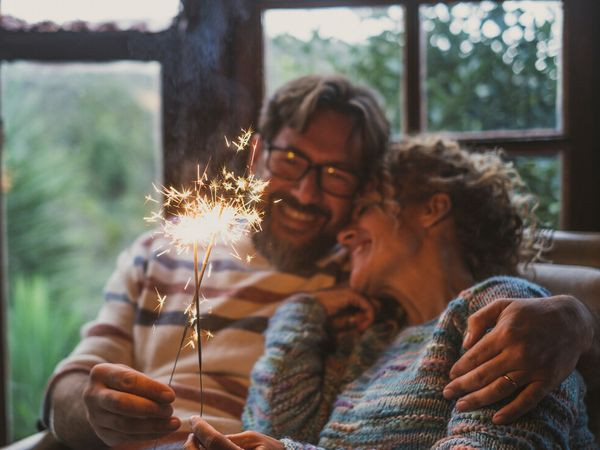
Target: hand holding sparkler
(125, 405)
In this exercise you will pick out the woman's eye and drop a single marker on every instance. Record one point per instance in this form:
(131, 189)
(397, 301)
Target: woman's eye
(361, 209)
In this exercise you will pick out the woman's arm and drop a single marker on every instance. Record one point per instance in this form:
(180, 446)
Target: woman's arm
(295, 382)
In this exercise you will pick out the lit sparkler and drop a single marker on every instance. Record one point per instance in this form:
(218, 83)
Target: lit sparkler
(223, 209)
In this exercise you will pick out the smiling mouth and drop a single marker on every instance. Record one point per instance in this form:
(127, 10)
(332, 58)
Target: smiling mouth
(300, 216)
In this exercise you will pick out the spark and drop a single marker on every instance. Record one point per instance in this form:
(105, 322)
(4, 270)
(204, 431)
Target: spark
(249, 258)
(223, 209)
(161, 301)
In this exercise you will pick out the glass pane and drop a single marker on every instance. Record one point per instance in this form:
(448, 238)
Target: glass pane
(542, 174)
(493, 66)
(155, 14)
(365, 44)
(79, 157)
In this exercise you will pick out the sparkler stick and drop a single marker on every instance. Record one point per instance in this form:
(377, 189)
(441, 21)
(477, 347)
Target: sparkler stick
(222, 209)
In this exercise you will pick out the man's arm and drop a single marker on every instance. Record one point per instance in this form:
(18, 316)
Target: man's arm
(112, 405)
(538, 342)
(68, 418)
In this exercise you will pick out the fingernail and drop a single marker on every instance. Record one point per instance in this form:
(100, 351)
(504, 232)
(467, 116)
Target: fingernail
(174, 422)
(499, 419)
(462, 405)
(448, 393)
(167, 396)
(467, 339)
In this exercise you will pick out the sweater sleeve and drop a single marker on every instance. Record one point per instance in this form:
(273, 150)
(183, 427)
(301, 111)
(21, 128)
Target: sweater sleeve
(293, 384)
(558, 420)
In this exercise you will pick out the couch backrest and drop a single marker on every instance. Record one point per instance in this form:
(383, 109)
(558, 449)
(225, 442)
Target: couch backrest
(575, 270)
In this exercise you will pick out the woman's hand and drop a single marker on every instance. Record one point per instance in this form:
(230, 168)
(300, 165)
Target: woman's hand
(346, 308)
(204, 436)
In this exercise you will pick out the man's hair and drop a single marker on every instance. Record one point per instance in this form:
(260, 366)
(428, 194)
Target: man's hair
(294, 104)
(490, 206)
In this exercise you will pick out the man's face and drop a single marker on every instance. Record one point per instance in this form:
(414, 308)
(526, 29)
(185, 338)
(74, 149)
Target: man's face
(301, 219)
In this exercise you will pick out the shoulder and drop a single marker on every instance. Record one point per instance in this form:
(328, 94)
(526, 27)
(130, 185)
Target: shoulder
(494, 288)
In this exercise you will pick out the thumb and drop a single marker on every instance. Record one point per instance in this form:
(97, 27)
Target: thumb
(483, 320)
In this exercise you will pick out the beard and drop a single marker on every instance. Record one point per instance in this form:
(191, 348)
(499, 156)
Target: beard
(285, 255)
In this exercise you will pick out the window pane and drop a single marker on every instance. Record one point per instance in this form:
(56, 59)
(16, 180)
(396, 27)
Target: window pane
(365, 44)
(156, 14)
(79, 157)
(493, 66)
(542, 174)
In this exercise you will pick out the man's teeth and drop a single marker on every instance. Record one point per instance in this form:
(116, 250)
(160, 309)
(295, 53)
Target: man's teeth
(298, 215)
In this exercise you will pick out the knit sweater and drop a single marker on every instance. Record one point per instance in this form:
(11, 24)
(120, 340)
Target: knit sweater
(384, 390)
(238, 298)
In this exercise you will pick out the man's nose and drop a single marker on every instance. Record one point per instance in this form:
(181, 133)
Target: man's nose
(307, 188)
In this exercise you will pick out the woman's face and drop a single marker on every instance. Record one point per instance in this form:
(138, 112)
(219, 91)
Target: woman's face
(381, 245)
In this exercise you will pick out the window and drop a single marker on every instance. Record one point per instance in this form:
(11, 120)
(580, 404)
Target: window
(153, 14)
(81, 142)
(487, 70)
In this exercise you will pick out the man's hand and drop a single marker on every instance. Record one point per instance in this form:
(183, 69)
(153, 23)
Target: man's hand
(527, 346)
(346, 308)
(208, 438)
(124, 405)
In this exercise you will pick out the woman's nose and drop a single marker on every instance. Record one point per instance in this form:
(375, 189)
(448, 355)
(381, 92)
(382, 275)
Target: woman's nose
(347, 236)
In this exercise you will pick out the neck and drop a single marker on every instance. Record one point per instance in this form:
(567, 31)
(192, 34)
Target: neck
(436, 276)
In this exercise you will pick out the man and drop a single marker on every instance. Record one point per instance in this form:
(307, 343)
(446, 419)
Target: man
(319, 138)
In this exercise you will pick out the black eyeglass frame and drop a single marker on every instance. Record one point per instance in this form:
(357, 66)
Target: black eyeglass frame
(318, 167)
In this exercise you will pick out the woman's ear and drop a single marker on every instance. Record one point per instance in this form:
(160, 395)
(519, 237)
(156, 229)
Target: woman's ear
(436, 209)
(256, 149)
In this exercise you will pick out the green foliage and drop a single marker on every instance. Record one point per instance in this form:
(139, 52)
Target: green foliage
(542, 176)
(78, 160)
(42, 331)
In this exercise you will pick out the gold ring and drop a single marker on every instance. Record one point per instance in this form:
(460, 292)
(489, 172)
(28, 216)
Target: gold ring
(511, 381)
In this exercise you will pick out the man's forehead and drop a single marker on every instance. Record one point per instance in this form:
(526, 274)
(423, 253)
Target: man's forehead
(329, 136)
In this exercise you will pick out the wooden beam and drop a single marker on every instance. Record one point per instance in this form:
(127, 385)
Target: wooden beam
(76, 45)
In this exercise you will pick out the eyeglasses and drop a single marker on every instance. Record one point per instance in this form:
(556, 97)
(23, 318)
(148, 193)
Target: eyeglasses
(292, 165)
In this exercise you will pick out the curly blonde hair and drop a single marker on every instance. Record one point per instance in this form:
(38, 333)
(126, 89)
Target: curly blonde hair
(490, 205)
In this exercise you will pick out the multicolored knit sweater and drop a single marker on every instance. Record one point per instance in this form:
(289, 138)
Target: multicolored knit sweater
(384, 389)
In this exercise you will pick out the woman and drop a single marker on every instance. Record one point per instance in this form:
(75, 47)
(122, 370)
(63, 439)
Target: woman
(438, 239)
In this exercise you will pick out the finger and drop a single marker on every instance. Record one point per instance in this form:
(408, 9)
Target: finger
(135, 426)
(482, 320)
(125, 379)
(527, 399)
(254, 440)
(190, 443)
(497, 390)
(483, 351)
(479, 377)
(121, 403)
(111, 436)
(210, 438)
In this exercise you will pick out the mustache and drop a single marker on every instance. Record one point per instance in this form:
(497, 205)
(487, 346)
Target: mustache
(290, 200)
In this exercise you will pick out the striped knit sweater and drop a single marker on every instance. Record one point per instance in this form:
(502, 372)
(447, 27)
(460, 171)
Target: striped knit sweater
(132, 329)
(384, 389)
